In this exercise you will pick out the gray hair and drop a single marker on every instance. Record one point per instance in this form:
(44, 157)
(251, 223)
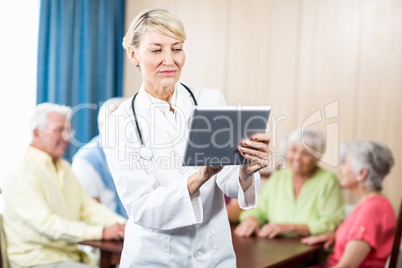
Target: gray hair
(39, 117)
(375, 157)
(109, 107)
(156, 19)
(309, 137)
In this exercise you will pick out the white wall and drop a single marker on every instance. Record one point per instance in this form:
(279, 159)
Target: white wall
(19, 22)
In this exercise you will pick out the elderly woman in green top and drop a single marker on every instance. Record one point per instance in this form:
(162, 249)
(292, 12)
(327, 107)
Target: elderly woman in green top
(302, 199)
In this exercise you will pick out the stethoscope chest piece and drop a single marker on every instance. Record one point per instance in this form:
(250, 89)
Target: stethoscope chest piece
(145, 153)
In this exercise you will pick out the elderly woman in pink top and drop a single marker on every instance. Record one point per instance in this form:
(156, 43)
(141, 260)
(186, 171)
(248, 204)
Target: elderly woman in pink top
(365, 238)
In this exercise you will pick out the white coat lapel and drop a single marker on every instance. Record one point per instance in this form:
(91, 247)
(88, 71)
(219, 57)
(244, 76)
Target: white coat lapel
(184, 110)
(159, 121)
(156, 130)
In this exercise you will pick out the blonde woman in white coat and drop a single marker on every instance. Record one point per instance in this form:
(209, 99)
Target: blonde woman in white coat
(177, 215)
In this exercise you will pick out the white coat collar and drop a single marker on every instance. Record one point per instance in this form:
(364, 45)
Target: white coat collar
(142, 101)
(146, 108)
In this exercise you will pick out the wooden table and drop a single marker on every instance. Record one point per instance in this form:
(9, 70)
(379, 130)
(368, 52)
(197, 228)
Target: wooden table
(110, 251)
(251, 252)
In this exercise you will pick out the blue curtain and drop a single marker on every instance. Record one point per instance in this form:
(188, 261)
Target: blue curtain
(80, 59)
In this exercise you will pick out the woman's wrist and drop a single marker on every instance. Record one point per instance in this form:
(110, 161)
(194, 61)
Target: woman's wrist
(300, 229)
(195, 181)
(243, 175)
(245, 183)
(252, 220)
(289, 228)
(192, 184)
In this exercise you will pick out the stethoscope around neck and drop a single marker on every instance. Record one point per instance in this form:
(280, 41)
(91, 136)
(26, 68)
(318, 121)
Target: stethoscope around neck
(144, 151)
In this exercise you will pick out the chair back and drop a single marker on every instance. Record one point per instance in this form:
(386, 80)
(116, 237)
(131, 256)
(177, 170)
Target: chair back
(3, 246)
(397, 241)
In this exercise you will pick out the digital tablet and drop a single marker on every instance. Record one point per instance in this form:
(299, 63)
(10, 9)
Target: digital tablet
(214, 133)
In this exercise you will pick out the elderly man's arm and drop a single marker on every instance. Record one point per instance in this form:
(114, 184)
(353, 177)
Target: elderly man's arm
(26, 202)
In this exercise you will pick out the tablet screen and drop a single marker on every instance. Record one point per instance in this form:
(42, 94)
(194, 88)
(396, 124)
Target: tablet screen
(215, 133)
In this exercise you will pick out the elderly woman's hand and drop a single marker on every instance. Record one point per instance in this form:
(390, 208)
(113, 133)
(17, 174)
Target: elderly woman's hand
(271, 230)
(257, 151)
(247, 227)
(327, 238)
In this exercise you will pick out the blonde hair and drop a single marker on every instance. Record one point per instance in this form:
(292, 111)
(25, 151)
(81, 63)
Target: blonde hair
(155, 19)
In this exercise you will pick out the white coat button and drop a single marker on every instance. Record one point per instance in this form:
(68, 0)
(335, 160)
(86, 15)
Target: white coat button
(196, 254)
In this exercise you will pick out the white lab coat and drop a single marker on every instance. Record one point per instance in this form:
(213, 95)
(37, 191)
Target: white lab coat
(167, 228)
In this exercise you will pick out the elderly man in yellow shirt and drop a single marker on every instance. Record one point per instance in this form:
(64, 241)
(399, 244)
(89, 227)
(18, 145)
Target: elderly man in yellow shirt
(46, 210)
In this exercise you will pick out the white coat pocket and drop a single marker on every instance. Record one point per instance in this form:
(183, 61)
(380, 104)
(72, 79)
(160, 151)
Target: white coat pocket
(145, 248)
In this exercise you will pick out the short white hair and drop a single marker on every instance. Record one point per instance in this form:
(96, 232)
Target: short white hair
(40, 115)
(309, 136)
(375, 157)
(109, 107)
